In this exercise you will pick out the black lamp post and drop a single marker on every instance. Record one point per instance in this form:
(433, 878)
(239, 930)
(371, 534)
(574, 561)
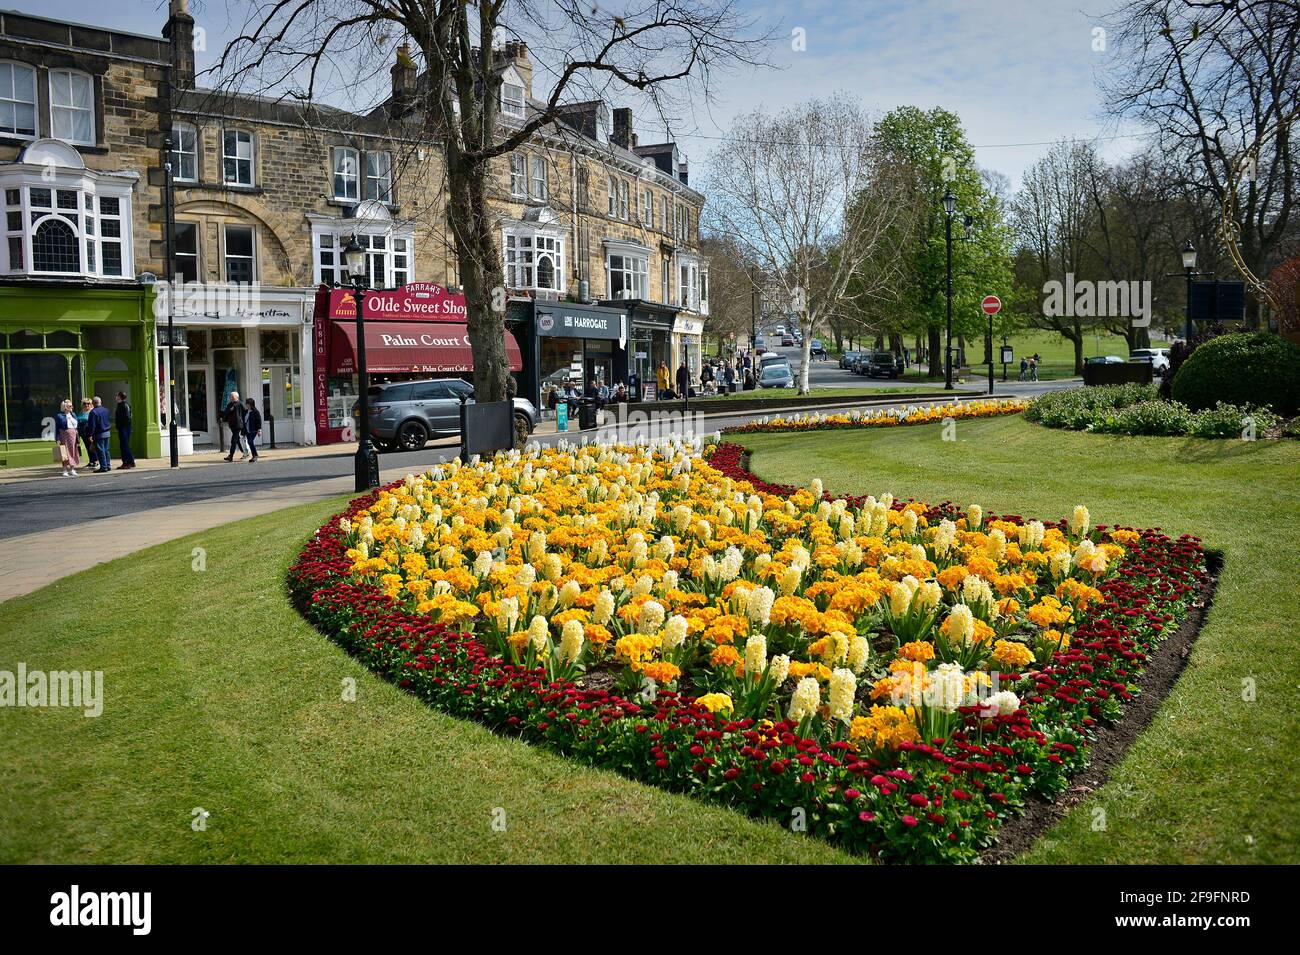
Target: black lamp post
(1189, 268)
(169, 225)
(949, 207)
(366, 464)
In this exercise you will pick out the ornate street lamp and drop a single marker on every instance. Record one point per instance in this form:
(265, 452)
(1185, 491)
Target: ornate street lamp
(949, 207)
(366, 464)
(1189, 268)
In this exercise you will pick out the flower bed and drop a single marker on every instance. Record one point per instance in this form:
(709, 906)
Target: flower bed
(895, 677)
(1137, 410)
(885, 417)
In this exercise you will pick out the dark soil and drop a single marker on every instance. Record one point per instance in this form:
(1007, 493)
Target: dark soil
(1111, 741)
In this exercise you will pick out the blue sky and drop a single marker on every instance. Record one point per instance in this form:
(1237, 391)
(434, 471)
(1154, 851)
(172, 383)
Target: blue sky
(1015, 71)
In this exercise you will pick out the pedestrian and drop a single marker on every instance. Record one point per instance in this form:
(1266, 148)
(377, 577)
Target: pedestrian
(683, 380)
(122, 419)
(663, 377)
(83, 429)
(101, 426)
(235, 415)
(1033, 368)
(66, 434)
(1024, 368)
(706, 379)
(252, 427)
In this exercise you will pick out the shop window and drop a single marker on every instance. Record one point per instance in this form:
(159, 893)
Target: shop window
(55, 247)
(239, 254)
(62, 339)
(237, 157)
(34, 386)
(185, 154)
(185, 249)
(17, 99)
(72, 109)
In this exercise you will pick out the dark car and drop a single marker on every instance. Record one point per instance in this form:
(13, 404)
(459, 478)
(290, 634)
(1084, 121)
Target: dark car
(404, 415)
(881, 364)
(846, 359)
(776, 375)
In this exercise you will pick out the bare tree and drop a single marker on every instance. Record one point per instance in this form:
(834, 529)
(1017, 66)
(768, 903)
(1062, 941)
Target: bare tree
(321, 49)
(1219, 80)
(807, 193)
(732, 287)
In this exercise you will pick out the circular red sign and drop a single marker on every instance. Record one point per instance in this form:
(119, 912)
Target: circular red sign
(991, 304)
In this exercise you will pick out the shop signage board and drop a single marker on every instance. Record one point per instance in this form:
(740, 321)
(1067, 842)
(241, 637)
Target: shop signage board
(562, 320)
(416, 302)
(562, 416)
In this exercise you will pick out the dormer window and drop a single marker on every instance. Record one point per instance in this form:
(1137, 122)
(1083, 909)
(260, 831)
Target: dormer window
(17, 100)
(512, 100)
(72, 107)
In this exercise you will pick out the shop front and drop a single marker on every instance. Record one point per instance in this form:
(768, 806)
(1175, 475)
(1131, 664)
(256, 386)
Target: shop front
(417, 331)
(63, 340)
(651, 341)
(579, 343)
(247, 339)
(688, 334)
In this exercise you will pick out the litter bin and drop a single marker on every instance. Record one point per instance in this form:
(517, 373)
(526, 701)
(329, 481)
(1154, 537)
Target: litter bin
(587, 414)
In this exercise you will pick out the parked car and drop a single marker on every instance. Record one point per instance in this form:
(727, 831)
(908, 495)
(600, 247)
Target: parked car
(881, 364)
(404, 415)
(776, 375)
(1104, 360)
(772, 358)
(787, 341)
(1158, 357)
(760, 346)
(846, 359)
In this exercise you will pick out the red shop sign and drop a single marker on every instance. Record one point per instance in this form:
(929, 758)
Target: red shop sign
(418, 301)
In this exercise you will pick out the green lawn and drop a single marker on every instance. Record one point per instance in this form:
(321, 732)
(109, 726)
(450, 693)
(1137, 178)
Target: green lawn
(1214, 779)
(218, 696)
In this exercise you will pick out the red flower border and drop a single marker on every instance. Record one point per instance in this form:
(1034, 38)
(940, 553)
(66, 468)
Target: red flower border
(936, 801)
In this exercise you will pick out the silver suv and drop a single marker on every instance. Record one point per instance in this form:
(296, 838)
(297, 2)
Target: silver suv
(404, 415)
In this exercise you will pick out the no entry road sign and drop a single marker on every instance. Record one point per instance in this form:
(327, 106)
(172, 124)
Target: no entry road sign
(991, 304)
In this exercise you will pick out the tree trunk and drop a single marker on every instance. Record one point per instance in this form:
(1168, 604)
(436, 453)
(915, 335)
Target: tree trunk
(481, 274)
(935, 348)
(1077, 341)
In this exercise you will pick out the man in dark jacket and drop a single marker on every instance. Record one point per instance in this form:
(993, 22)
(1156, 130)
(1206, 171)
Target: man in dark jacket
(235, 416)
(101, 426)
(122, 418)
(683, 380)
(252, 427)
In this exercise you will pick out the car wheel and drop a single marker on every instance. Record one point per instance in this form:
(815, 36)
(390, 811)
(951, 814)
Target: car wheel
(412, 436)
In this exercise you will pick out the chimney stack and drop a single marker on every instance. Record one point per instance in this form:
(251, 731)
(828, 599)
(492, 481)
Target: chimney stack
(179, 31)
(516, 54)
(404, 79)
(681, 172)
(622, 128)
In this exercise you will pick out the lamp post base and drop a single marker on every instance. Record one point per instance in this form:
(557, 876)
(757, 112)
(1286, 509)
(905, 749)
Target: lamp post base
(365, 467)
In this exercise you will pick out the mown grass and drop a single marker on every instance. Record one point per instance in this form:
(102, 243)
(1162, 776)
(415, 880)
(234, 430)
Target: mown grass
(1215, 778)
(218, 696)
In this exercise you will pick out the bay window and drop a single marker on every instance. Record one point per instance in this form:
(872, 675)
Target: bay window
(626, 275)
(67, 230)
(388, 257)
(533, 260)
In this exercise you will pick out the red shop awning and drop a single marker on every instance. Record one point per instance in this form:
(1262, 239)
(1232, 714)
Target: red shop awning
(409, 348)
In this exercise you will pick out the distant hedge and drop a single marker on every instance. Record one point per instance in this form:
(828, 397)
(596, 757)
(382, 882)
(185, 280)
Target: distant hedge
(1256, 368)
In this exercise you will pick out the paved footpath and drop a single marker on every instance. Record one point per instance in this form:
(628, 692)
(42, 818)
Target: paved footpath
(91, 520)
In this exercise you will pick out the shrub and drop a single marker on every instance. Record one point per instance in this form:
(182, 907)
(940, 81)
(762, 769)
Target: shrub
(1078, 409)
(1229, 421)
(1258, 368)
(1154, 417)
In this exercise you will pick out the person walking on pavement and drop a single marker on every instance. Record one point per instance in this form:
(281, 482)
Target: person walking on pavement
(1033, 368)
(235, 416)
(1024, 368)
(252, 427)
(122, 419)
(83, 429)
(65, 433)
(101, 426)
(662, 377)
(683, 380)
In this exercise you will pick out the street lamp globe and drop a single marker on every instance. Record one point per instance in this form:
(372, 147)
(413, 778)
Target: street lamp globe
(354, 258)
(949, 202)
(1189, 256)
